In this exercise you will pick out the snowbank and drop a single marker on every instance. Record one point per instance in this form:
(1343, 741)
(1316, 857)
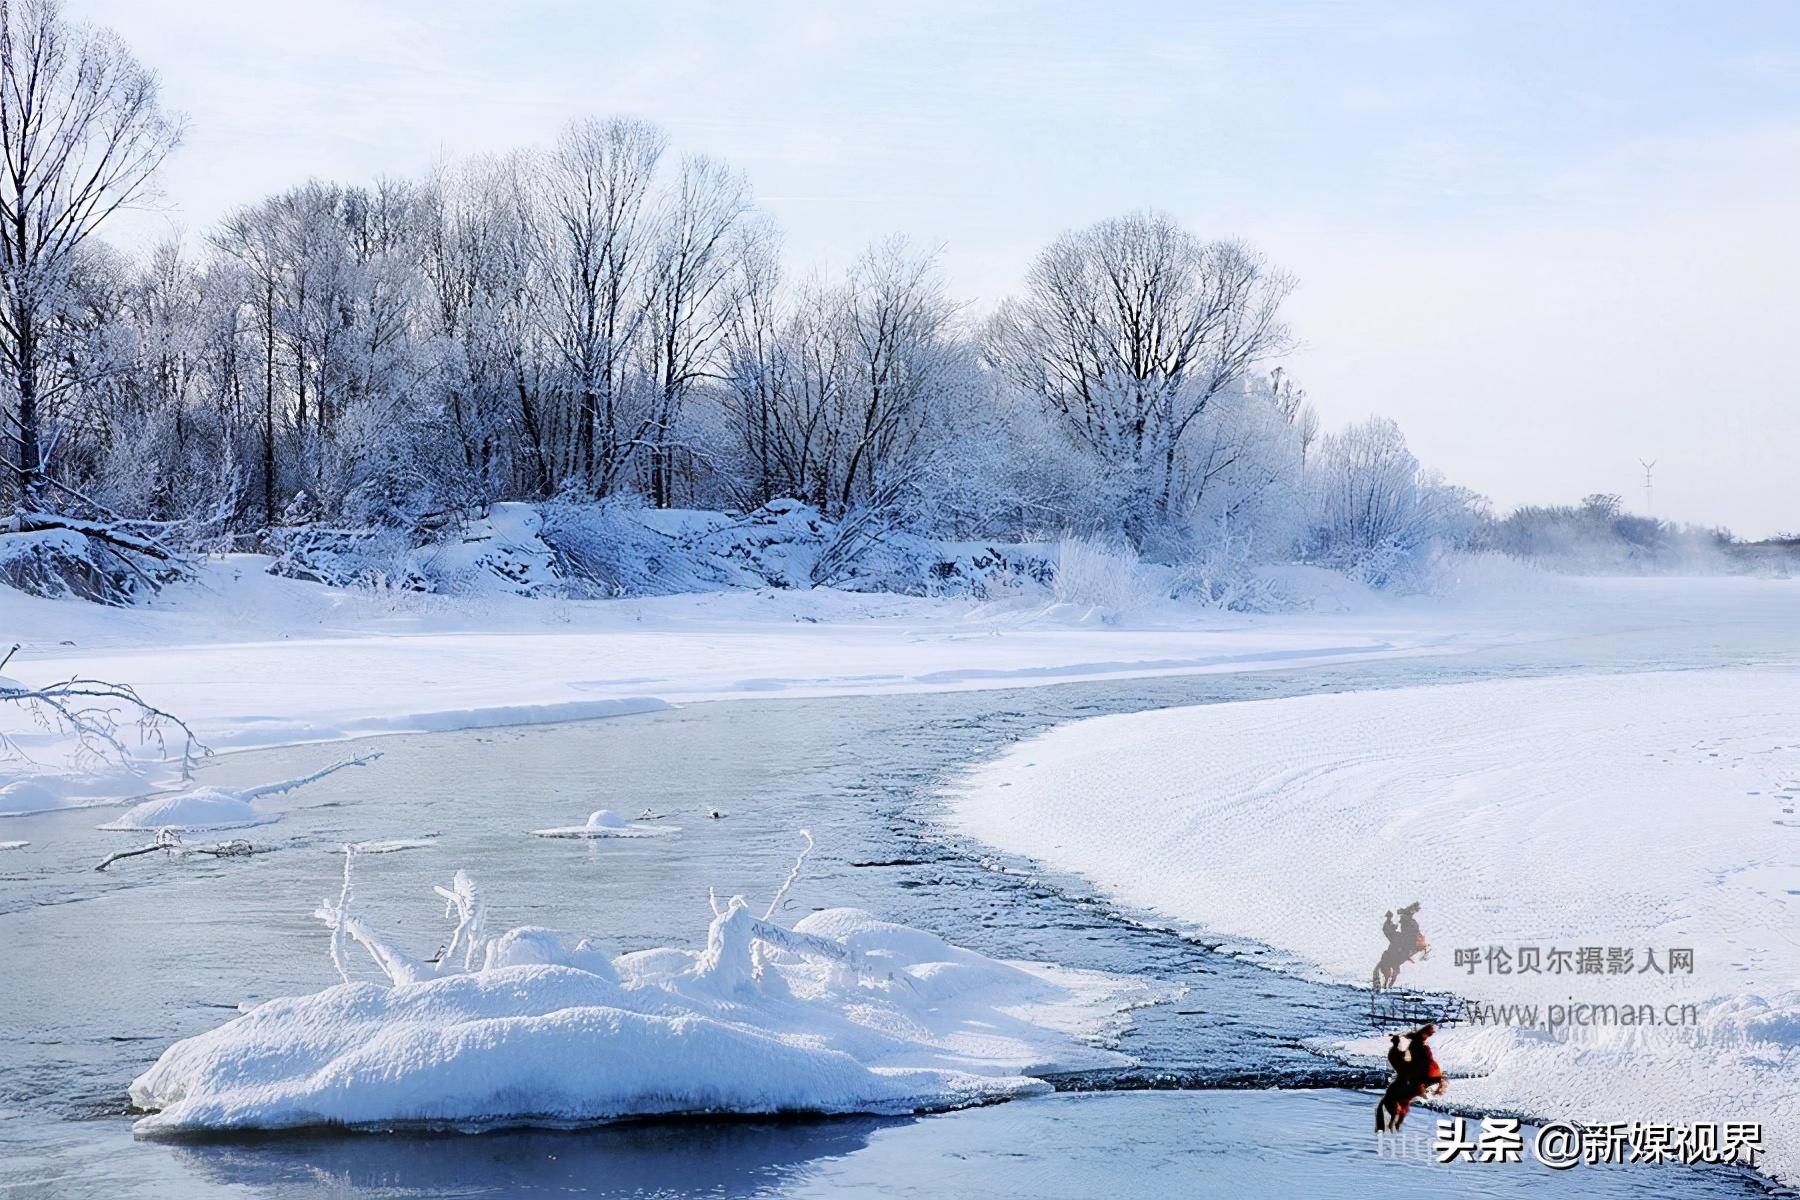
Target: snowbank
(842, 1013)
(1647, 812)
(252, 660)
(88, 785)
(23, 796)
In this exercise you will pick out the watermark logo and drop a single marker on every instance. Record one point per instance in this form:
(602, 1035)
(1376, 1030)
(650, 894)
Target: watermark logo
(1574, 960)
(1561, 1145)
(1405, 943)
(1415, 1074)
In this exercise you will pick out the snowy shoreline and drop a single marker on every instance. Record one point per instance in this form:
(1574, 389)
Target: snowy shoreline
(1644, 812)
(254, 661)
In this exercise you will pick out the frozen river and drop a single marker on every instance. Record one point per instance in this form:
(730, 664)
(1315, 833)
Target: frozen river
(103, 971)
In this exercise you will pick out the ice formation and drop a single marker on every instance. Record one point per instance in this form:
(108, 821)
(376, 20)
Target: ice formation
(605, 823)
(840, 1013)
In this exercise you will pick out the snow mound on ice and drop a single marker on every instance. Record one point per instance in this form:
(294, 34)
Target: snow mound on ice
(202, 808)
(605, 823)
(13, 845)
(842, 1013)
(216, 808)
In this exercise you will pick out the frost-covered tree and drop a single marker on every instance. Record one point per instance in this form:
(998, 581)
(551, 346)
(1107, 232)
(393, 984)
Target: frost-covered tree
(600, 320)
(479, 323)
(593, 252)
(836, 391)
(1127, 331)
(688, 306)
(1373, 513)
(82, 133)
(1599, 535)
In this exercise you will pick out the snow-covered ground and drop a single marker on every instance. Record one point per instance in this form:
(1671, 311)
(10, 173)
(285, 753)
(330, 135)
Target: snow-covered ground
(254, 660)
(1643, 811)
(841, 1013)
(1649, 812)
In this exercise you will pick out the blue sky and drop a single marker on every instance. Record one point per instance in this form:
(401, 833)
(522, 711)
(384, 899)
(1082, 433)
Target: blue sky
(1550, 239)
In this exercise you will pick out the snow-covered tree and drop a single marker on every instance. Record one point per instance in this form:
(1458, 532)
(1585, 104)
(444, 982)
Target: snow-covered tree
(594, 250)
(601, 320)
(82, 132)
(1373, 513)
(1127, 332)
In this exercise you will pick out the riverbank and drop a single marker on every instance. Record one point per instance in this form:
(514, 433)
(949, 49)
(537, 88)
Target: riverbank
(1609, 868)
(251, 660)
(187, 941)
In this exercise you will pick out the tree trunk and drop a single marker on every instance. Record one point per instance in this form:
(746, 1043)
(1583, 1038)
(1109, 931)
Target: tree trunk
(269, 411)
(30, 468)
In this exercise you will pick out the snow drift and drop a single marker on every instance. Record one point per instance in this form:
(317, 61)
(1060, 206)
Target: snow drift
(841, 1013)
(1638, 811)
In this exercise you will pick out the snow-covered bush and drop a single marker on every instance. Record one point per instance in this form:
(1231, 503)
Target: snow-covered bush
(1373, 514)
(374, 557)
(113, 562)
(60, 564)
(499, 551)
(1223, 570)
(1244, 471)
(601, 548)
(1101, 574)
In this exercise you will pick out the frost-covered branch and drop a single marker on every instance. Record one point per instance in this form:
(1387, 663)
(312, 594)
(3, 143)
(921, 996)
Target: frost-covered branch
(462, 899)
(97, 716)
(730, 962)
(170, 840)
(793, 876)
(734, 957)
(396, 964)
(288, 785)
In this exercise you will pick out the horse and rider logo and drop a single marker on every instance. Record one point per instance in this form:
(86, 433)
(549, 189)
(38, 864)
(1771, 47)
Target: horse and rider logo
(1405, 942)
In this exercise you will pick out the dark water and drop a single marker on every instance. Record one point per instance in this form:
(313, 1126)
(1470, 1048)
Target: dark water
(101, 972)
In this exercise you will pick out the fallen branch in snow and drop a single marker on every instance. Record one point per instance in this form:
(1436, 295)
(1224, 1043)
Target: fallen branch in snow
(216, 807)
(288, 785)
(49, 553)
(112, 535)
(89, 712)
(170, 840)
